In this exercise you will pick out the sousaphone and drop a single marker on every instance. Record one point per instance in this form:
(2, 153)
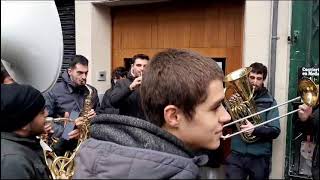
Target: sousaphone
(31, 42)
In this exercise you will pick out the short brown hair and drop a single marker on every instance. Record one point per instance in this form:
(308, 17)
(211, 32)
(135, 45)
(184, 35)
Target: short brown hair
(259, 68)
(176, 77)
(78, 59)
(139, 56)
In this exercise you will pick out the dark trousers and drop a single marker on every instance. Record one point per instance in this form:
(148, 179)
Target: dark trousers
(239, 166)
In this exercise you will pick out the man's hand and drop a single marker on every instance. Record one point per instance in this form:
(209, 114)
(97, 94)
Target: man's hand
(235, 98)
(75, 134)
(91, 114)
(48, 128)
(247, 126)
(79, 121)
(304, 112)
(136, 83)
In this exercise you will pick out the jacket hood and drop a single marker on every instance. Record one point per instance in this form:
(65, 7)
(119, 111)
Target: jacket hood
(124, 147)
(66, 78)
(263, 96)
(71, 85)
(134, 132)
(130, 76)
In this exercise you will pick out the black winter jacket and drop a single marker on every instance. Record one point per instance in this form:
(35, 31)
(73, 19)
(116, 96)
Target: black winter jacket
(106, 107)
(66, 97)
(22, 158)
(128, 102)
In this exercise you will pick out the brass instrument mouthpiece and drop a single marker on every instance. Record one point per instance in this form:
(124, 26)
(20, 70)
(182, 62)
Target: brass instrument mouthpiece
(51, 119)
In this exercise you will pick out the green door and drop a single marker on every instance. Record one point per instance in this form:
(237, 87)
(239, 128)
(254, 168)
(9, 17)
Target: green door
(304, 42)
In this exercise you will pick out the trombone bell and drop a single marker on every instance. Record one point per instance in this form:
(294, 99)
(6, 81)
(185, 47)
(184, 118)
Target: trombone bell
(309, 92)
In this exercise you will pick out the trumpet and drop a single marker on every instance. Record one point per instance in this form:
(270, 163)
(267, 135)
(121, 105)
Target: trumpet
(309, 94)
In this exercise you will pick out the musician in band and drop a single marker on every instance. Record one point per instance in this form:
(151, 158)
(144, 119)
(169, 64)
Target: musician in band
(67, 97)
(253, 160)
(23, 116)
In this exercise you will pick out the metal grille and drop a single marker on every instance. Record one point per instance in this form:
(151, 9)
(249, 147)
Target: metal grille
(67, 18)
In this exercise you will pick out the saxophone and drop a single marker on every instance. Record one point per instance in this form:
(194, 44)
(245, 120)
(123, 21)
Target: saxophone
(62, 167)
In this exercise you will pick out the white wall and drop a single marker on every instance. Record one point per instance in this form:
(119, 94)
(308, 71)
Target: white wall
(83, 16)
(281, 86)
(101, 46)
(257, 47)
(93, 40)
(257, 31)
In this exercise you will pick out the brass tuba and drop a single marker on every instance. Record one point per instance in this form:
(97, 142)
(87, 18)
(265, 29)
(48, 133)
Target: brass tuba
(62, 167)
(239, 100)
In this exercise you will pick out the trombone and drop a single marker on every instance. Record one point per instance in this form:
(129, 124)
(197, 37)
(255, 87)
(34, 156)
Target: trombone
(309, 94)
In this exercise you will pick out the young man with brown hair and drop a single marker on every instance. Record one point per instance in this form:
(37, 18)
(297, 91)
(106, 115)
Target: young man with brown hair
(68, 95)
(125, 95)
(182, 95)
(66, 99)
(253, 159)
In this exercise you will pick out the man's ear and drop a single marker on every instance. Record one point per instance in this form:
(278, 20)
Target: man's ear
(69, 71)
(172, 116)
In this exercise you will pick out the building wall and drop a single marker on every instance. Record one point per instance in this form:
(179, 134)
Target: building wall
(282, 85)
(257, 31)
(257, 44)
(93, 40)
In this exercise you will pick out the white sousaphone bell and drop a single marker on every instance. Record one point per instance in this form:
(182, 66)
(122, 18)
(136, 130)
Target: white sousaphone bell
(31, 42)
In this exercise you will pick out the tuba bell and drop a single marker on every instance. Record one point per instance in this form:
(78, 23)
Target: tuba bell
(239, 100)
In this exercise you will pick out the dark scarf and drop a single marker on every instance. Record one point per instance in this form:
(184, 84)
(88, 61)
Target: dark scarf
(261, 92)
(134, 132)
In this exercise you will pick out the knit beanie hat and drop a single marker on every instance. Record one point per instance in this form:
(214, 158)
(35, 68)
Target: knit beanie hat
(20, 104)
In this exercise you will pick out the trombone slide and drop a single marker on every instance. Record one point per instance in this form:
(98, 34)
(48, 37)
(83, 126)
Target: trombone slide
(244, 130)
